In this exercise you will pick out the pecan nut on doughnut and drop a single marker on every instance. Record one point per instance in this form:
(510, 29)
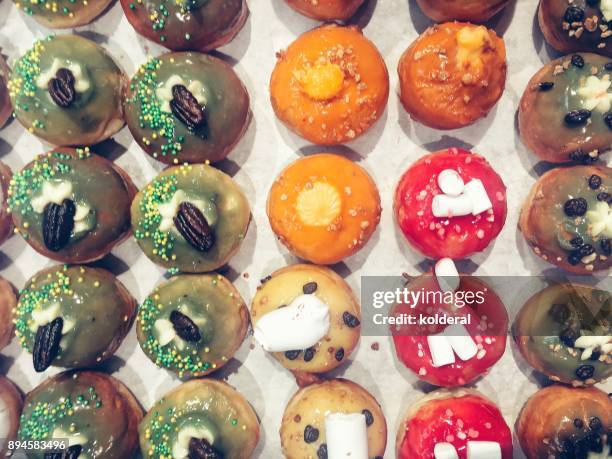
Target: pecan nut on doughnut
(560, 422)
(11, 403)
(564, 114)
(564, 331)
(63, 14)
(576, 25)
(5, 102)
(68, 90)
(8, 301)
(326, 10)
(203, 418)
(315, 342)
(330, 85)
(307, 428)
(73, 316)
(187, 107)
(192, 324)
(192, 218)
(452, 75)
(462, 10)
(94, 412)
(566, 218)
(457, 423)
(71, 205)
(198, 25)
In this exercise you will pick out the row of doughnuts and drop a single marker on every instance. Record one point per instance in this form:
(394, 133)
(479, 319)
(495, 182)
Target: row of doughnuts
(91, 414)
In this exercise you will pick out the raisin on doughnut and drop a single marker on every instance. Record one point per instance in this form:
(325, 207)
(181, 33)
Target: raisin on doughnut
(560, 422)
(564, 114)
(566, 218)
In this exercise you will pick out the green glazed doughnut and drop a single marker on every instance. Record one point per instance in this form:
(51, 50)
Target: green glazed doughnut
(94, 412)
(5, 102)
(73, 316)
(155, 111)
(192, 324)
(190, 218)
(198, 25)
(71, 205)
(68, 91)
(62, 14)
(564, 331)
(200, 418)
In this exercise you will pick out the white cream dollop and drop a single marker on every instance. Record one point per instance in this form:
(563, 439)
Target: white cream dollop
(600, 219)
(45, 314)
(164, 92)
(56, 192)
(180, 448)
(346, 436)
(169, 209)
(81, 84)
(595, 94)
(300, 325)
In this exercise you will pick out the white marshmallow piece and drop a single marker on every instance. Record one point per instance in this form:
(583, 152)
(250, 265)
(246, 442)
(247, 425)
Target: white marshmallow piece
(441, 350)
(450, 182)
(462, 342)
(483, 450)
(346, 435)
(451, 206)
(447, 275)
(445, 451)
(300, 325)
(476, 193)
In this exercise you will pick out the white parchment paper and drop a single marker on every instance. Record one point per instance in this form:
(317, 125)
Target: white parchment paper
(386, 151)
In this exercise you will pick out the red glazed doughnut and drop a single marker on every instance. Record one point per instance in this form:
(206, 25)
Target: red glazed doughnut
(455, 417)
(486, 314)
(453, 237)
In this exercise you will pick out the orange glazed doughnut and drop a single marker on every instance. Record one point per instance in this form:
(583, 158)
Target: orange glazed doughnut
(324, 208)
(452, 75)
(330, 85)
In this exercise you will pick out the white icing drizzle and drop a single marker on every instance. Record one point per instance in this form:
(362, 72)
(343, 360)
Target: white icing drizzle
(56, 192)
(180, 448)
(595, 93)
(164, 92)
(46, 314)
(600, 219)
(169, 209)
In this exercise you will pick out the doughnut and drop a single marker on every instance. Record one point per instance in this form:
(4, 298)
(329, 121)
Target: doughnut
(73, 317)
(197, 25)
(63, 14)
(6, 222)
(462, 10)
(68, 91)
(454, 421)
(190, 218)
(560, 422)
(564, 332)
(564, 114)
(322, 344)
(199, 111)
(8, 301)
(11, 402)
(94, 412)
(202, 418)
(326, 10)
(330, 85)
(483, 339)
(305, 429)
(324, 208)
(192, 324)
(452, 75)
(576, 25)
(5, 102)
(566, 218)
(71, 205)
(457, 222)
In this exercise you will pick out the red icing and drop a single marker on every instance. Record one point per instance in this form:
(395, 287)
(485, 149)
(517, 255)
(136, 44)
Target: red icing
(488, 328)
(455, 237)
(454, 420)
